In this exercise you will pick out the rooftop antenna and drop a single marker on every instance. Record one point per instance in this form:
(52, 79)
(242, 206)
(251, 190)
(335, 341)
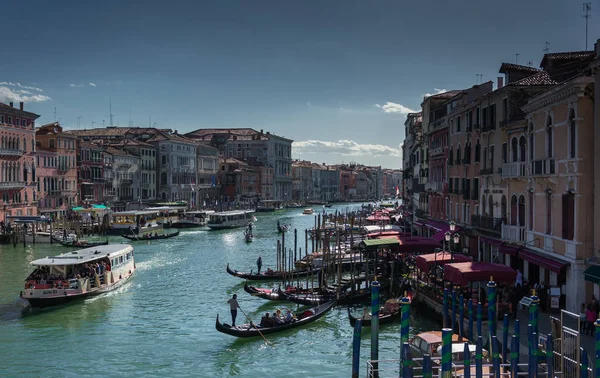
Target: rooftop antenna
(149, 121)
(55, 114)
(79, 122)
(587, 8)
(547, 49)
(110, 110)
(517, 58)
(93, 124)
(530, 63)
(130, 123)
(102, 123)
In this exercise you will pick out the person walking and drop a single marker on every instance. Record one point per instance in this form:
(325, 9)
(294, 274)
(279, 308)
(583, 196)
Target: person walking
(259, 263)
(233, 306)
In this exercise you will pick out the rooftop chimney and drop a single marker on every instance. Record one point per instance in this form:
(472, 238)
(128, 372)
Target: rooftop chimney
(11, 104)
(21, 105)
(500, 82)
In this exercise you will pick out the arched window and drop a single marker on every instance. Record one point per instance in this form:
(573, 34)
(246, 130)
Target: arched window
(491, 206)
(531, 137)
(477, 151)
(521, 210)
(163, 178)
(572, 135)
(503, 208)
(458, 154)
(513, 210)
(549, 137)
(514, 148)
(522, 149)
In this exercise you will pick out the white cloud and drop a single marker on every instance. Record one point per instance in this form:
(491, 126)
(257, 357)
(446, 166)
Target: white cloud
(92, 85)
(308, 104)
(392, 107)
(17, 84)
(344, 147)
(436, 91)
(17, 95)
(76, 85)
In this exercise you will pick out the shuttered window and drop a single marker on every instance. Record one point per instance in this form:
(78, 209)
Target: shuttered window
(568, 216)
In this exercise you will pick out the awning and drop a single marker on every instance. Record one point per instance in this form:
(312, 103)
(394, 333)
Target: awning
(424, 261)
(509, 249)
(419, 223)
(592, 274)
(466, 272)
(376, 243)
(439, 237)
(439, 226)
(417, 244)
(549, 263)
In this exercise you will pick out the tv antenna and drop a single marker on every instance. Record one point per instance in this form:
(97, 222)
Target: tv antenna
(547, 48)
(79, 122)
(517, 58)
(130, 123)
(110, 111)
(530, 63)
(55, 114)
(587, 8)
(103, 123)
(93, 124)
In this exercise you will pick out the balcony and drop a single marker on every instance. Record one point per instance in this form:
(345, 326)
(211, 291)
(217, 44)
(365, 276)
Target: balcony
(486, 171)
(434, 186)
(487, 223)
(12, 185)
(513, 170)
(63, 168)
(543, 167)
(514, 234)
(436, 151)
(11, 152)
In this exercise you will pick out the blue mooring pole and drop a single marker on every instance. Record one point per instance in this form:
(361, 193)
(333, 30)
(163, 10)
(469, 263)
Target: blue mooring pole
(584, 364)
(407, 369)
(445, 308)
(453, 310)
(479, 357)
(505, 325)
(427, 367)
(470, 311)
(496, 356)
(550, 355)
(479, 316)
(514, 358)
(356, 348)
(467, 361)
(461, 315)
(375, 325)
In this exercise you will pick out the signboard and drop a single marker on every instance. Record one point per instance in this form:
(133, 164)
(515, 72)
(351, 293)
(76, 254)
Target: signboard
(554, 302)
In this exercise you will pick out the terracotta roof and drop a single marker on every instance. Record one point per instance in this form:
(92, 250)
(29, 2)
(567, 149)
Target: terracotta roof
(84, 144)
(131, 142)
(115, 151)
(505, 67)
(106, 131)
(446, 95)
(239, 132)
(573, 55)
(540, 78)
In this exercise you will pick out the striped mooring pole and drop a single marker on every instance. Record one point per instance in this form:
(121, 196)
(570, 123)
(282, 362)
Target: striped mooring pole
(375, 325)
(550, 355)
(534, 312)
(492, 306)
(446, 353)
(597, 347)
(479, 357)
(505, 325)
(427, 367)
(479, 321)
(453, 309)
(407, 370)
(467, 361)
(404, 329)
(584, 364)
(445, 308)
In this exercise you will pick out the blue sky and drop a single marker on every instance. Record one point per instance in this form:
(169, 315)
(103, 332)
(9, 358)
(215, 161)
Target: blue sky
(312, 71)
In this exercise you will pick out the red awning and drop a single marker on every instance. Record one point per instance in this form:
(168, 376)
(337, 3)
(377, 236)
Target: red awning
(441, 258)
(509, 249)
(439, 237)
(378, 218)
(545, 262)
(417, 244)
(465, 272)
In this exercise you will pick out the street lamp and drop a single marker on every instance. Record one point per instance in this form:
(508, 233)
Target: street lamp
(454, 236)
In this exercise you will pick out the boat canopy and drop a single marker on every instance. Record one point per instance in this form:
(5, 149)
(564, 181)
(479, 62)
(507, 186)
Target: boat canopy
(232, 212)
(82, 256)
(441, 258)
(387, 227)
(466, 272)
(377, 243)
(134, 213)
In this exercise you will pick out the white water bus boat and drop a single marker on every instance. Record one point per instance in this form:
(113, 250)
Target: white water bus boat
(193, 219)
(63, 278)
(137, 222)
(231, 219)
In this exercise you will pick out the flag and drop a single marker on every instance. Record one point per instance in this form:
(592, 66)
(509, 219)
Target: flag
(397, 190)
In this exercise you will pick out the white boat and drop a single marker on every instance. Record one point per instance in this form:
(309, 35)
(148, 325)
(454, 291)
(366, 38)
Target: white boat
(308, 211)
(231, 219)
(68, 276)
(137, 222)
(193, 219)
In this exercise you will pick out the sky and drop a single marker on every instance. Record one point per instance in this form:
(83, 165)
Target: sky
(337, 77)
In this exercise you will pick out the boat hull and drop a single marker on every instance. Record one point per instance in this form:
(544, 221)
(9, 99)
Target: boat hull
(269, 277)
(186, 225)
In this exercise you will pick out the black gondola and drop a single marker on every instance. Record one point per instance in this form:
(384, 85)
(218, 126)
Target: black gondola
(328, 205)
(251, 330)
(383, 318)
(272, 294)
(346, 296)
(270, 275)
(82, 244)
(144, 237)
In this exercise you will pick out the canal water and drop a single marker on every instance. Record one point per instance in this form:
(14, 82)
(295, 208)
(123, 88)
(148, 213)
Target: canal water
(162, 322)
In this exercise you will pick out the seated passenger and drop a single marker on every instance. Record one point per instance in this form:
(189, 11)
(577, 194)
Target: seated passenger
(267, 321)
(278, 317)
(289, 317)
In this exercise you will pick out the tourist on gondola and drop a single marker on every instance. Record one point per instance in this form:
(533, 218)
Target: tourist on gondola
(278, 317)
(233, 306)
(289, 317)
(259, 263)
(267, 321)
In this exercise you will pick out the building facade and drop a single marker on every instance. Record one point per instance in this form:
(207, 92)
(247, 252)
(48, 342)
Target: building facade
(90, 166)
(207, 164)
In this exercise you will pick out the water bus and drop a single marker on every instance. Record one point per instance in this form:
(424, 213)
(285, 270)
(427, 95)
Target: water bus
(269, 206)
(231, 219)
(134, 221)
(78, 274)
(308, 211)
(168, 215)
(193, 219)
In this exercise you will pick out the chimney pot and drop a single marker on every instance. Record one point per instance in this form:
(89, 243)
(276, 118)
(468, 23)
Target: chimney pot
(21, 105)
(11, 104)
(500, 82)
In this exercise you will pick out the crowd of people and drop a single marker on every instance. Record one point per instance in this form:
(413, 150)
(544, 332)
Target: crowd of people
(277, 318)
(43, 276)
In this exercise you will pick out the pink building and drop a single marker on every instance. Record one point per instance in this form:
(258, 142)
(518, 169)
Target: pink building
(47, 185)
(17, 166)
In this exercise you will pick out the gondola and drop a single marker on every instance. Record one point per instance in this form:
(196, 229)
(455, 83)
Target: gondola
(383, 317)
(82, 244)
(328, 205)
(347, 297)
(282, 228)
(270, 275)
(143, 237)
(251, 329)
(270, 294)
(248, 238)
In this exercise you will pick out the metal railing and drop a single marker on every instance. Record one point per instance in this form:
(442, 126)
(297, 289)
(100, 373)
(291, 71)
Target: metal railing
(513, 170)
(11, 152)
(12, 185)
(486, 222)
(513, 233)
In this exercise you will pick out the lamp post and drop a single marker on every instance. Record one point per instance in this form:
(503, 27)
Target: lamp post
(454, 236)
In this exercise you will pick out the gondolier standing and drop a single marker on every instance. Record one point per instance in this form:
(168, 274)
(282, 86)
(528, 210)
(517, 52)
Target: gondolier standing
(233, 306)
(259, 263)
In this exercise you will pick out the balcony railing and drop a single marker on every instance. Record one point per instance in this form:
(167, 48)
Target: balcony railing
(436, 151)
(513, 170)
(12, 185)
(11, 152)
(434, 186)
(486, 223)
(515, 234)
(486, 171)
(543, 167)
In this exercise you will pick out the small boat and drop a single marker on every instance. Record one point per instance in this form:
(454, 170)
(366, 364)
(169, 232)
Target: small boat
(347, 297)
(388, 313)
(282, 227)
(49, 284)
(328, 205)
(251, 329)
(271, 294)
(249, 237)
(82, 243)
(270, 275)
(149, 237)
(308, 211)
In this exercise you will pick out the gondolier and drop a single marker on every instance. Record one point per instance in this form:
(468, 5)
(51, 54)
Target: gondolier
(233, 306)
(259, 263)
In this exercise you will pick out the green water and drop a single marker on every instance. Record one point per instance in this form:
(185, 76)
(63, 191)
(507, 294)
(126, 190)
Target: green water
(162, 322)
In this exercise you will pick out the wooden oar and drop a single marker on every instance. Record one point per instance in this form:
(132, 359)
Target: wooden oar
(251, 322)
